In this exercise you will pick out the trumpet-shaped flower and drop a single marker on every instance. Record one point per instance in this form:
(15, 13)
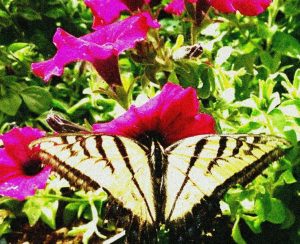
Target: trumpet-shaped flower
(101, 48)
(245, 7)
(107, 11)
(21, 172)
(177, 6)
(170, 116)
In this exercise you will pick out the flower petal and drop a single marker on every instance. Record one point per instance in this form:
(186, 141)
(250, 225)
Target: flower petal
(251, 7)
(17, 140)
(107, 11)
(177, 6)
(20, 186)
(13, 157)
(173, 114)
(245, 7)
(9, 167)
(101, 48)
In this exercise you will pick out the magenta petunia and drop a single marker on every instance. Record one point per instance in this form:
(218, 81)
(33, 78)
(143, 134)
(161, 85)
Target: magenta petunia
(177, 6)
(101, 47)
(245, 7)
(21, 172)
(170, 116)
(107, 11)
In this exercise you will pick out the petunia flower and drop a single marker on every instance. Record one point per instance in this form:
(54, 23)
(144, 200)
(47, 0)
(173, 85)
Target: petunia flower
(21, 172)
(170, 116)
(177, 6)
(245, 7)
(101, 48)
(108, 11)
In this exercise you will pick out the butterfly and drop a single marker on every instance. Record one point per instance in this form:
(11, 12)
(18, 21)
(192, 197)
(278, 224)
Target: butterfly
(149, 186)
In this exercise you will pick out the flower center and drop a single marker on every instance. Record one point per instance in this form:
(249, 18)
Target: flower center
(32, 167)
(149, 136)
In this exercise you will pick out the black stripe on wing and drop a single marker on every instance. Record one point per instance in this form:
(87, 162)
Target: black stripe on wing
(122, 149)
(74, 176)
(198, 149)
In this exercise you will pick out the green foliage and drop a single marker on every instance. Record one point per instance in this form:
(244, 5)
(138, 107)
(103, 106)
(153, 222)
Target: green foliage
(248, 78)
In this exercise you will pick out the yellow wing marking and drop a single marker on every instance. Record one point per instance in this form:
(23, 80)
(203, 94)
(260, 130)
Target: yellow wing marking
(124, 173)
(199, 166)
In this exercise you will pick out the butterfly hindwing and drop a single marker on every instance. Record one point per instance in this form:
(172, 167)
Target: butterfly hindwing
(117, 164)
(207, 166)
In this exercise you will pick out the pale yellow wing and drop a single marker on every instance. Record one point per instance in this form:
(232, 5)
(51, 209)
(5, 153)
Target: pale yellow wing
(117, 164)
(204, 166)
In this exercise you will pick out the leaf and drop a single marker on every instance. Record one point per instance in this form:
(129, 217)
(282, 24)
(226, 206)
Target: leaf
(288, 177)
(5, 20)
(278, 119)
(14, 47)
(253, 222)
(286, 44)
(4, 228)
(291, 136)
(32, 209)
(236, 233)
(30, 14)
(70, 212)
(272, 63)
(246, 128)
(291, 108)
(48, 213)
(296, 82)
(10, 103)
(223, 54)
(263, 206)
(37, 99)
(289, 219)
(55, 13)
(277, 213)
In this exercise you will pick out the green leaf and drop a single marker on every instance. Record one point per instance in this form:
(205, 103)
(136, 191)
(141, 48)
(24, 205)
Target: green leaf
(272, 63)
(291, 108)
(277, 213)
(278, 119)
(286, 44)
(253, 222)
(37, 99)
(5, 228)
(246, 128)
(70, 212)
(223, 54)
(291, 136)
(296, 82)
(48, 213)
(14, 47)
(55, 13)
(288, 177)
(10, 103)
(263, 206)
(30, 14)
(5, 20)
(236, 233)
(32, 209)
(289, 219)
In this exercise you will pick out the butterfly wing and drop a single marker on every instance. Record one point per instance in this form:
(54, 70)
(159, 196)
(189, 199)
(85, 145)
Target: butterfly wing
(117, 164)
(207, 166)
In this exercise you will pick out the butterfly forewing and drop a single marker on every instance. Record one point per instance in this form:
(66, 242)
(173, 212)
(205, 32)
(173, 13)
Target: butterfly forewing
(204, 166)
(117, 164)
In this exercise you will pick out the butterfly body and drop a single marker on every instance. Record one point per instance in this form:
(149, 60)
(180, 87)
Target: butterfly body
(150, 185)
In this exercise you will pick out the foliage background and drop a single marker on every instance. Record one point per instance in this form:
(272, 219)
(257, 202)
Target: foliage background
(248, 78)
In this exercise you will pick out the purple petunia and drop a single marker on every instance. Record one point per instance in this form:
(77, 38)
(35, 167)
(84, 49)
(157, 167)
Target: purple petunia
(21, 172)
